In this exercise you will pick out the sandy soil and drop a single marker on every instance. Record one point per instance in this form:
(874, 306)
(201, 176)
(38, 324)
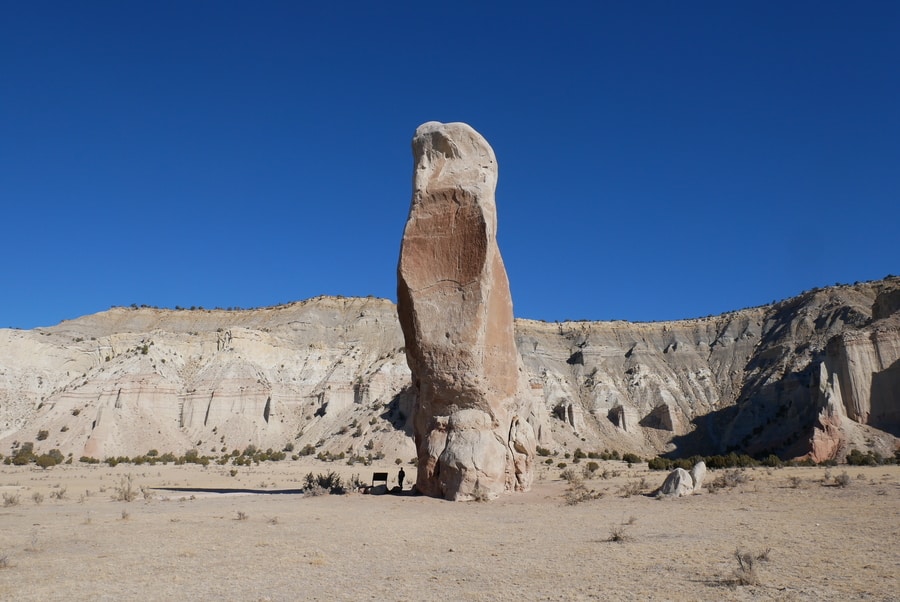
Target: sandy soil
(822, 543)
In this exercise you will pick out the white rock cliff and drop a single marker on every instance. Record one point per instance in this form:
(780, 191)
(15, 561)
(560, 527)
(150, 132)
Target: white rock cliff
(815, 375)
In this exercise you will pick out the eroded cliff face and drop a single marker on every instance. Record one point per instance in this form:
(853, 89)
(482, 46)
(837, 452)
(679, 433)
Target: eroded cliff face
(814, 375)
(127, 380)
(808, 388)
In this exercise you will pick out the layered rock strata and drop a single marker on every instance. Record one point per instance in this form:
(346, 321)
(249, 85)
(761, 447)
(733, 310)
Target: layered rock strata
(814, 376)
(470, 419)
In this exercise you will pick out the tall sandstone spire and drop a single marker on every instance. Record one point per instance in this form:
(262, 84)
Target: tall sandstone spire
(470, 418)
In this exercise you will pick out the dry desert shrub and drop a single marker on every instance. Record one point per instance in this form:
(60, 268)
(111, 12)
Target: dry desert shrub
(356, 483)
(314, 490)
(635, 487)
(610, 474)
(590, 469)
(480, 495)
(321, 484)
(37, 497)
(619, 533)
(10, 499)
(578, 492)
(795, 482)
(125, 491)
(241, 515)
(842, 480)
(745, 573)
(59, 493)
(4, 561)
(728, 479)
(569, 475)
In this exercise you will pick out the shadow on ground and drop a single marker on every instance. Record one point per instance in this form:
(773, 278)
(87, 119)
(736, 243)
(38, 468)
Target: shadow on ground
(227, 490)
(394, 491)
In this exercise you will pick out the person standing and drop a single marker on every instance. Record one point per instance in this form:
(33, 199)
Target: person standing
(400, 476)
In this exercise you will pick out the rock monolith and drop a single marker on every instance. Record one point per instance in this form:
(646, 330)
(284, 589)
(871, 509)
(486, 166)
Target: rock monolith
(470, 423)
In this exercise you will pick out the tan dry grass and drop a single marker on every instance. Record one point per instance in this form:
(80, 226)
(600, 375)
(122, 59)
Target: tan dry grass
(824, 543)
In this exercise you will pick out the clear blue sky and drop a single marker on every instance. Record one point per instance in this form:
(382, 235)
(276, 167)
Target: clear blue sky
(658, 160)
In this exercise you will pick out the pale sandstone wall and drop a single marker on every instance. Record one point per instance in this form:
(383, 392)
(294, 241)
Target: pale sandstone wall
(756, 380)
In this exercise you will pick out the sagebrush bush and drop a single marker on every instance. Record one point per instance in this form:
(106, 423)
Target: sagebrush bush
(578, 492)
(746, 573)
(632, 458)
(314, 490)
(569, 475)
(870, 458)
(24, 455)
(45, 461)
(125, 491)
(728, 479)
(634, 487)
(842, 480)
(323, 483)
(618, 534)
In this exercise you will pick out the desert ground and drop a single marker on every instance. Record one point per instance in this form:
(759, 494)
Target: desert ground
(64, 536)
